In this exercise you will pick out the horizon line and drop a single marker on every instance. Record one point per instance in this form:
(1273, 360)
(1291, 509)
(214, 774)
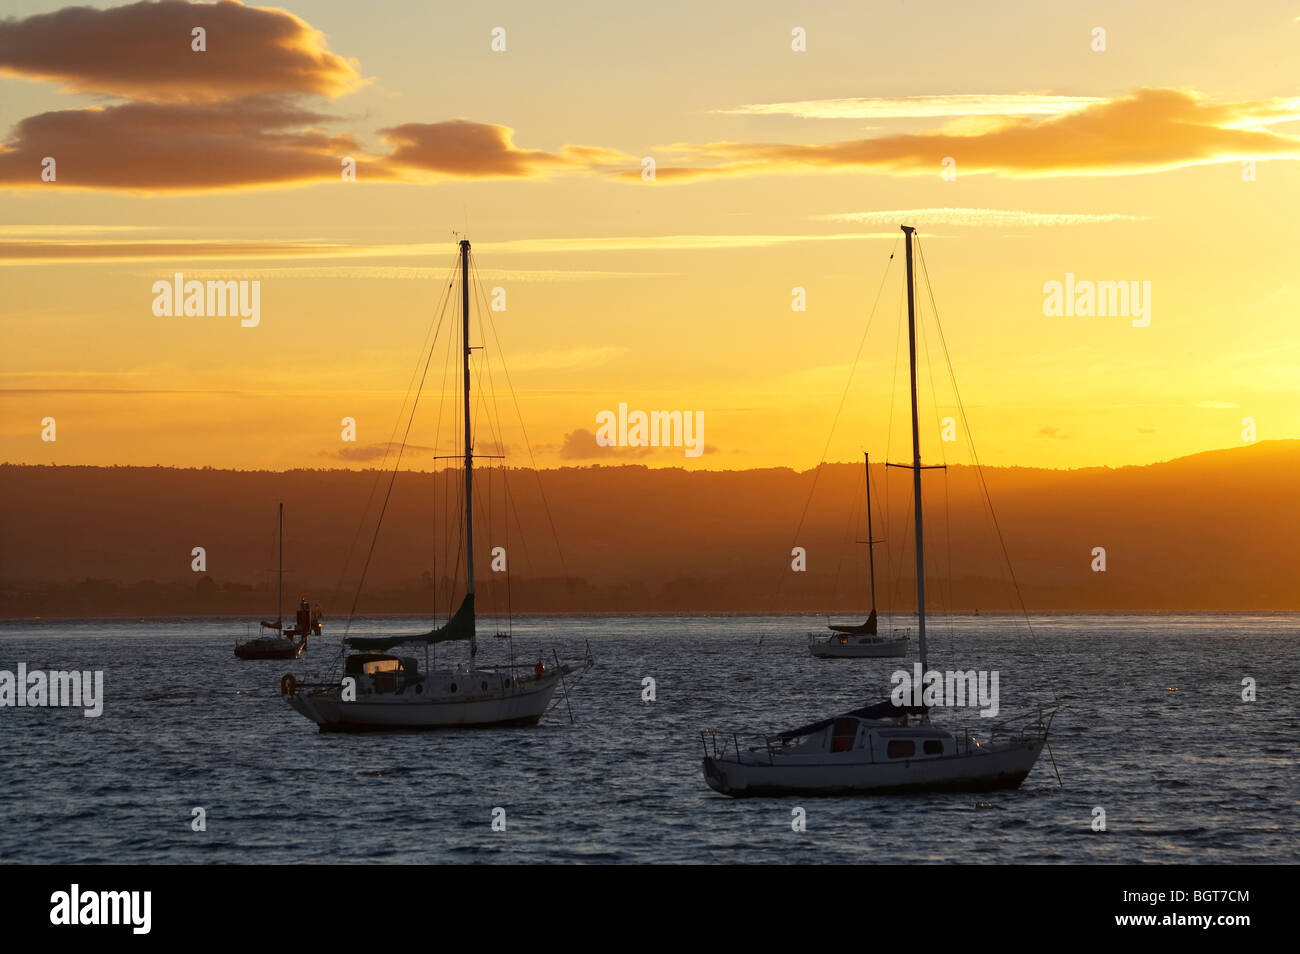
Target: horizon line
(623, 463)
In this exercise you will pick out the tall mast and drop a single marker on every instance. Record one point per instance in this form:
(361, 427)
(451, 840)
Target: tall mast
(871, 541)
(916, 451)
(469, 450)
(279, 593)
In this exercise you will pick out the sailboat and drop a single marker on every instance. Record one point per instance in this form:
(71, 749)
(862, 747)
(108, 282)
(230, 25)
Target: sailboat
(862, 641)
(383, 689)
(885, 747)
(286, 643)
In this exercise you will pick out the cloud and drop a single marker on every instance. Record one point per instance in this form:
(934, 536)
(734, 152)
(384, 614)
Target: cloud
(229, 117)
(998, 218)
(234, 117)
(472, 150)
(581, 445)
(921, 107)
(1149, 130)
(142, 51)
(258, 142)
(366, 452)
(171, 147)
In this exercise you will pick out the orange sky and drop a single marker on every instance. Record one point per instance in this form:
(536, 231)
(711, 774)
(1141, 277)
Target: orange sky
(775, 169)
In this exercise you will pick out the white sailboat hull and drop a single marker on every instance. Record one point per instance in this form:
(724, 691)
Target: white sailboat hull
(519, 703)
(984, 771)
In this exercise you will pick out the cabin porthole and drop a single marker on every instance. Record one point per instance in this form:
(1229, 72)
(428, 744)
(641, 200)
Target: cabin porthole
(900, 748)
(419, 690)
(453, 687)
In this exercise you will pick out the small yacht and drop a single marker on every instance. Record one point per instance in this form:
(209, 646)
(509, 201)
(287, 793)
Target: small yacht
(383, 690)
(287, 642)
(881, 749)
(862, 641)
(886, 747)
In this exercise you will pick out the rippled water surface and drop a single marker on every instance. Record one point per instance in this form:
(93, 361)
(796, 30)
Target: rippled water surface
(1154, 732)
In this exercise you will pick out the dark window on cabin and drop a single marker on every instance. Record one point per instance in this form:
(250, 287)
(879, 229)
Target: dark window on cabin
(842, 736)
(900, 748)
(933, 747)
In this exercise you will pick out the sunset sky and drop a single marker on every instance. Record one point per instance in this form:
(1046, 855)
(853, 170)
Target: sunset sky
(774, 169)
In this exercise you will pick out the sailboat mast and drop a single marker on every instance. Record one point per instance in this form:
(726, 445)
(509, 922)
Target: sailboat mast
(871, 541)
(279, 590)
(469, 450)
(916, 452)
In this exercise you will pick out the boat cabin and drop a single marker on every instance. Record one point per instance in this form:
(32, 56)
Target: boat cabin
(875, 740)
(381, 672)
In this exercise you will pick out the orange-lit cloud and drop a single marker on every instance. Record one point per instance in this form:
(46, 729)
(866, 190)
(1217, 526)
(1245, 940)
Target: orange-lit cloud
(466, 149)
(168, 147)
(229, 117)
(257, 143)
(581, 445)
(238, 117)
(1150, 130)
(373, 452)
(914, 107)
(143, 52)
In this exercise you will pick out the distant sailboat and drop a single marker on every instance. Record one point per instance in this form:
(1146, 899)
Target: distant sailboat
(861, 641)
(881, 748)
(381, 690)
(287, 643)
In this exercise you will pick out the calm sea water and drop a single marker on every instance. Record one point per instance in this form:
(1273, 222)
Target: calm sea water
(1154, 732)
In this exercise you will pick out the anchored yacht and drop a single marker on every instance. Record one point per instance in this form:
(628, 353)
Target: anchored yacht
(881, 748)
(287, 643)
(863, 641)
(382, 690)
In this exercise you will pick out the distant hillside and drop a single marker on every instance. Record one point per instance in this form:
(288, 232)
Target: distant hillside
(1215, 531)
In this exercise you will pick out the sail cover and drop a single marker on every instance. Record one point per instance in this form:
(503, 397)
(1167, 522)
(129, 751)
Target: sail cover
(881, 710)
(460, 626)
(866, 629)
